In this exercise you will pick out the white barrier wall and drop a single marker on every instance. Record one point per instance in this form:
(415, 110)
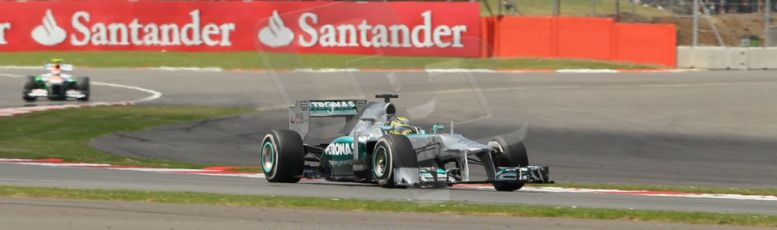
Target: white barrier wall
(726, 58)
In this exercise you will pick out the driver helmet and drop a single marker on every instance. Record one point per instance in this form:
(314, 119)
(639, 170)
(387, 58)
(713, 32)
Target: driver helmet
(57, 62)
(401, 126)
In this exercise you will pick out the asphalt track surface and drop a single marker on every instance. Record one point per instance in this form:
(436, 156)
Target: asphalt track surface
(695, 128)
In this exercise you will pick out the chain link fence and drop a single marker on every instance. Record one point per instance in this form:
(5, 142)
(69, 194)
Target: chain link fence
(729, 23)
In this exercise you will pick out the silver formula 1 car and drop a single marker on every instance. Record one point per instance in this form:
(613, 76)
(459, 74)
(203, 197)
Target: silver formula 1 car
(377, 146)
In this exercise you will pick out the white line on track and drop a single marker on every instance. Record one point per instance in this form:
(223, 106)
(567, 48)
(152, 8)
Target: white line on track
(459, 71)
(195, 69)
(19, 67)
(587, 71)
(641, 193)
(10, 75)
(325, 70)
(216, 171)
(154, 94)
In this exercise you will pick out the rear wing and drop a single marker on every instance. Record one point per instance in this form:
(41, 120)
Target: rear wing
(303, 110)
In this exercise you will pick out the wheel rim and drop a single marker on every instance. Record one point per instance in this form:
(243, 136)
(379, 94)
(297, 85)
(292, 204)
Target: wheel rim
(268, 156)
(381, 161)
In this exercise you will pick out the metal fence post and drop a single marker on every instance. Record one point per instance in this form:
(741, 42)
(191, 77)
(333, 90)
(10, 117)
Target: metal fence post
(767, 22)
(695, 23)
(593, 7)
(556, 7)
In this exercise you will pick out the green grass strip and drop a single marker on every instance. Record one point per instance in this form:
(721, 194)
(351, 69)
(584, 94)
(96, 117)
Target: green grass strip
(66, 133)
(393, 206)
(280, 61)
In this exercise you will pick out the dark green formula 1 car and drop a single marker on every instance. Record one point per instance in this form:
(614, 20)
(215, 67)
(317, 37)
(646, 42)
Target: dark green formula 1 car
(57, 84)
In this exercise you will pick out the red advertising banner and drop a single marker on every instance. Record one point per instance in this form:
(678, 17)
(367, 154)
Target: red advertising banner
(399, 28)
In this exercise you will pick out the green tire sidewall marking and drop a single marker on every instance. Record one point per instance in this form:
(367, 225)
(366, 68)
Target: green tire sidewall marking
(268, 144)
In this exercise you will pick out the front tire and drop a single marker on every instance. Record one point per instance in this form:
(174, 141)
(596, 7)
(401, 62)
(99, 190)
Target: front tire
(83, 86)
(391, 153)
(282, 156)
(511, 155)
(29, 85)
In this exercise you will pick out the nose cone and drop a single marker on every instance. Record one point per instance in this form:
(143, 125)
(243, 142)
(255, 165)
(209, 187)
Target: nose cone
(460, 142)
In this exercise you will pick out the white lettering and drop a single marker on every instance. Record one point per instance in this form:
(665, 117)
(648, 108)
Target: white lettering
(152, 35)
(380, 36)
(339, 149)
(170, 34)
(100, 34)
(3, 28)
(329, 37)
(193, 29)
(426, 28)
(395, 29)
(363, 29)
(308, 30)
(207, 31)
(457, 30)
(135, 33)
(81, 28)
(333, 104)
(115, 28)
(439, 33)
(225, 30)
(347, 32)
(364, 34)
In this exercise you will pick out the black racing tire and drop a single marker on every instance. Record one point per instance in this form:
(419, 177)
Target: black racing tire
(84, 86)
(29, 85)
(392, 152)
(512, 154)
(282, 155)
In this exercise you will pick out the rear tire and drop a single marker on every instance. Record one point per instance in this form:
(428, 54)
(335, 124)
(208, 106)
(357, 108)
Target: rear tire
(29, 85)
(511, 155)
(391, 153)
(282, 155)
(83, 86)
